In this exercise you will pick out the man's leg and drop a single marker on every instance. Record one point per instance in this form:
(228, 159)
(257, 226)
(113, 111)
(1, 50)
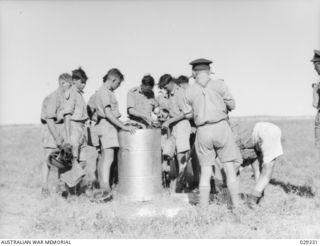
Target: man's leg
(178, 185)
(49, 146)
(45, 173)
(317, 131)
(182, 160)
(195, 169)
(206, 156)
(232, 183)
(104, 164)
(108, 142)
(182, 131)
(204, 185)
(218, 171)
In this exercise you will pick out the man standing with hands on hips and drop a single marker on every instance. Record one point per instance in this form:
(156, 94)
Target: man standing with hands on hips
(316, 92)
(210, 100)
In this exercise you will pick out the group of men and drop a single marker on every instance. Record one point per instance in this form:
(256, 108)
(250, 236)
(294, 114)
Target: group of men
(221, 147)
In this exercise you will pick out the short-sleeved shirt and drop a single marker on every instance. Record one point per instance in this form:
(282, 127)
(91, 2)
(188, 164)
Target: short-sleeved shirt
(176, 101)
(106, 98)
(138, 101)
(52, 107)
(75, 105)
(163, 100)
(209, 101)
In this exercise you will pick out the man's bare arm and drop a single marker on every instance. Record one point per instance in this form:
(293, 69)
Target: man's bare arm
(136, 113)
(114, 120)
(53, 131)
(315, 101)
(67, 125)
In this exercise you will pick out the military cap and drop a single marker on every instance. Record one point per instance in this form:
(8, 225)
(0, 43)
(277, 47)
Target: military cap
(200, 64)
(316, 56)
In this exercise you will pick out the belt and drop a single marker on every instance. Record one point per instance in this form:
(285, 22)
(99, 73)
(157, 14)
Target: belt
(79, 121)
(210, 123)
(44, 122)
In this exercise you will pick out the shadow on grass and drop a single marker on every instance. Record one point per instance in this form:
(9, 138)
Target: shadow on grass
(303, 190)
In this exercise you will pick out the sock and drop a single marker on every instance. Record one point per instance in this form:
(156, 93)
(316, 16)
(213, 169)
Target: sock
(233, 188)
(204, 195)
(104, 185)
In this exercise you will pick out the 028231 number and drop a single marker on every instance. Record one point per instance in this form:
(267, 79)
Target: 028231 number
(308, 242)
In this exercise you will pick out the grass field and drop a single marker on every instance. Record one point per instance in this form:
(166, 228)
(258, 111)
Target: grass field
(24, 214)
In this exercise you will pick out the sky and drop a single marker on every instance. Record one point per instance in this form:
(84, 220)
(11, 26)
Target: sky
(262, 49)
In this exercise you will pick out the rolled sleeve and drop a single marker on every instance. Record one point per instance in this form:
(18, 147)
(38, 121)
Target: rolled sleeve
(227, 97)
(51, 108)
(104, 101)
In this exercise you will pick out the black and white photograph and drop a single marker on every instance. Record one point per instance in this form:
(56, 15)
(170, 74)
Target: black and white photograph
(150, 119)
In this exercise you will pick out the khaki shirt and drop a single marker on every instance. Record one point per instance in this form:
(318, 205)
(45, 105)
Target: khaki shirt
(106, 98)
(176, 101)
(318, 96)
(163, 100)
(52, 107)
(209, 102)
(139, 102)
(75, 105)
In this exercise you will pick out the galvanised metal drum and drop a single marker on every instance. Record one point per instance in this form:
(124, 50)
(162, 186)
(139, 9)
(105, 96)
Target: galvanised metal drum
(139, 163)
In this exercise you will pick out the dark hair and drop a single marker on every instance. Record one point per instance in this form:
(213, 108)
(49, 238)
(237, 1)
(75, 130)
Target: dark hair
(79, 74)
(164, 80)
(147, 80)
(113, 72)
(182, 79)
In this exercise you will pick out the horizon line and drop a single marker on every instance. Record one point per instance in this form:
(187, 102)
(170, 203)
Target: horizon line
(260, 117)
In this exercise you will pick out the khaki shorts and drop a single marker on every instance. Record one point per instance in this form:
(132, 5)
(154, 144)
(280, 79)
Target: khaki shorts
(216, 140)
(181, 131)
(108, 134)
(47, 140)
(78, 140)
(268, 139)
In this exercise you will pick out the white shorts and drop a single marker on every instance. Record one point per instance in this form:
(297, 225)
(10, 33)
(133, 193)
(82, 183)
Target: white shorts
(267, 137)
